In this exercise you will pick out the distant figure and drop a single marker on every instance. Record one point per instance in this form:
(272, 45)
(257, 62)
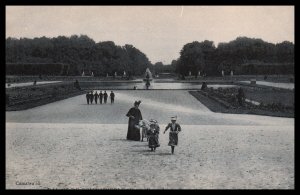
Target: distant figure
(265, 77)
(135, 116)
(134, 88)
(34, 82)
(241, 96)
(222, 73)
(96, 97)
(112, 97)
(147, 84)
(76, 85)
(173, 134)
(91, 97)
(105, 97)
(100, 97)
(87, 97)
(204, 86)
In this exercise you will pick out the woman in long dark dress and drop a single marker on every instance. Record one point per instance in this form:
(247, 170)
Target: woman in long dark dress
(135, 116)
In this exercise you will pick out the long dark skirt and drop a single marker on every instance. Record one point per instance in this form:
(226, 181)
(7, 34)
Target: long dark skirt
(173, 139)
(153, 141)
(133, 133)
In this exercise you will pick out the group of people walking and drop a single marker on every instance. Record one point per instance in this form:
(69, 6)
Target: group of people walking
(136, 122)
(93, 97)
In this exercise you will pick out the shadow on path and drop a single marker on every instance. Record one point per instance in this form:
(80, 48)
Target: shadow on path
(141, 151)
(159, 154)
(121, 139)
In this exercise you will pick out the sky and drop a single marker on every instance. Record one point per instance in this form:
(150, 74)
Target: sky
(158, 31)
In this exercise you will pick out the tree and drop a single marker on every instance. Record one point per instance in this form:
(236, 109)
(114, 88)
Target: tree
(158, 67)
(80, 53)
(194, 57)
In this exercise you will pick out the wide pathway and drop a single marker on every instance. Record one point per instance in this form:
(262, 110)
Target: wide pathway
(68, 144)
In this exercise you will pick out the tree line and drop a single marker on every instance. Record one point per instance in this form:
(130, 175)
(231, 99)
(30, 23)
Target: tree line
(243, 55)
(81, 53)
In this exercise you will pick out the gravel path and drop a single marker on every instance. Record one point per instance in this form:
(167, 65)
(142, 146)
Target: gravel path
(68, 144)
(157, 104)
(272, 84)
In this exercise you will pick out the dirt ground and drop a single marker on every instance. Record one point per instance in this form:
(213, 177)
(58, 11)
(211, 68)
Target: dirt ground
(71, 145)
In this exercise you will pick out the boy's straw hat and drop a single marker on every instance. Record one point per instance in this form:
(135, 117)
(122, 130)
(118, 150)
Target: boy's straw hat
(174, 118)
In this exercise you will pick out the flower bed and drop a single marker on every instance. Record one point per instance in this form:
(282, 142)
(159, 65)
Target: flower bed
(21, 98)
(263, 101)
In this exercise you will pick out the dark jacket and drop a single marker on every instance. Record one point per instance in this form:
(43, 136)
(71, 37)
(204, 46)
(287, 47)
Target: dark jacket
(112, 95)
(177, 127)
(105, 95)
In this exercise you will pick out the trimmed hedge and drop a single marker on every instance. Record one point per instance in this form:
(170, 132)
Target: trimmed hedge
(266, 69)
(36, 69)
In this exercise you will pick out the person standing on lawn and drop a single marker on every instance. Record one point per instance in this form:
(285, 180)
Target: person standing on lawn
(241, 96)
(173, 134)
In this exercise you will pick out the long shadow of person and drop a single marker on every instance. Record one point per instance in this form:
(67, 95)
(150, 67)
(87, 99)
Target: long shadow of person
(141, 151)
(157, 153)
(121, 139)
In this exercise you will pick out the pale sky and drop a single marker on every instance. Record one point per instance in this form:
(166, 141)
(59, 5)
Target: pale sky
(158, 31)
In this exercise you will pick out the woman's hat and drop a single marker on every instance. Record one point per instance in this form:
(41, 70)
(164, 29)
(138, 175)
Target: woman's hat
(137, 102)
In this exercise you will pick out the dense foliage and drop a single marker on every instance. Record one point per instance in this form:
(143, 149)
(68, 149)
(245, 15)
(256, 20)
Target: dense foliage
(36, 69)
(244, 55)
(80, 53)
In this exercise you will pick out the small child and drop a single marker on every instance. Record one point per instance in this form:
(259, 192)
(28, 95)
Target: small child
(153, 135)
(173, 135)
